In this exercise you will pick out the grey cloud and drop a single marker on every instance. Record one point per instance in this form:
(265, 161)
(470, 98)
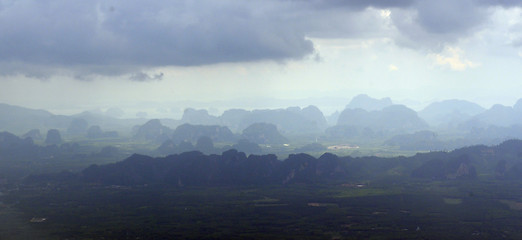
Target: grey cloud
(143, 77)
(502, 3)
(362, 4)
(30, 70)
(116, 37)
(449, 16)
(432, 24)
(419, 24)
(92, 34)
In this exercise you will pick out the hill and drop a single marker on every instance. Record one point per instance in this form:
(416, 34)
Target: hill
(450, 112)
(502, 161)
(393, 119)
(20, 120)
(368, 103)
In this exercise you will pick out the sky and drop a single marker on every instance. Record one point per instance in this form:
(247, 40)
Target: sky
(162, 56)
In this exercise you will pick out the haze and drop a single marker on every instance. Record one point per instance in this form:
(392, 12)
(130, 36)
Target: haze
(163, 56)
(261, 119)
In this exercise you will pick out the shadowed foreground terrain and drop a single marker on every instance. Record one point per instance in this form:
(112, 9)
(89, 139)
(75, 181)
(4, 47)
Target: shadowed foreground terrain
(469, 193)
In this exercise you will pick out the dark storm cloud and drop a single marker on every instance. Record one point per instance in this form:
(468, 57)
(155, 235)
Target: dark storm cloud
(137, 34)
(449, 16)
(433, 24)
(124, 37)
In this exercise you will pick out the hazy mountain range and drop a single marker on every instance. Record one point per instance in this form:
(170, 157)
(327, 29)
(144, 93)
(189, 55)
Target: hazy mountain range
(453, 123)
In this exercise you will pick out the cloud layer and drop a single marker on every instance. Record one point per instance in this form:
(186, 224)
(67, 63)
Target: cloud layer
(41, 38)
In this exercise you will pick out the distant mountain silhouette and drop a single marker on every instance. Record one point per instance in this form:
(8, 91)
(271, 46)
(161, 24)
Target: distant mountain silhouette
(20, 120)
(263, 133)
(367, 103)
(14, 148)
(191, 133)
(199, 117)
(153, 130)
(450, 112)
(233, 118)
(291, 120)
(10, 142)
(392, 119)
(53, 137)
(95, 131)
(107, 121)
(497, 115)
(332, 118)
(315, 115)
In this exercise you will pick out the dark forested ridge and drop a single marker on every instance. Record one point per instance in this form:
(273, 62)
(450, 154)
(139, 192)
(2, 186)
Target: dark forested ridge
(503, 162)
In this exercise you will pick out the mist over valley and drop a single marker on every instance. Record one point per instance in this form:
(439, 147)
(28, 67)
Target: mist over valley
(260, 119)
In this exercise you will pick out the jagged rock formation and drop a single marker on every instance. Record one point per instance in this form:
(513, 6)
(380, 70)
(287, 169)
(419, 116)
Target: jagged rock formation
(95, 131)
(450, 112)
(199, 117)
(263, 133)
(498, 115)
(19, 120)
(77, 127)
(153, 130)
(292, 120)
(10, 142)
(232, 167)
(367, 103)
(236, 168)
(191, 133)
(392, 120)
(53, 137)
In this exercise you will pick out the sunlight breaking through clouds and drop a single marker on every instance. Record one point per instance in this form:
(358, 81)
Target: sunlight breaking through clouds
(453, 58)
